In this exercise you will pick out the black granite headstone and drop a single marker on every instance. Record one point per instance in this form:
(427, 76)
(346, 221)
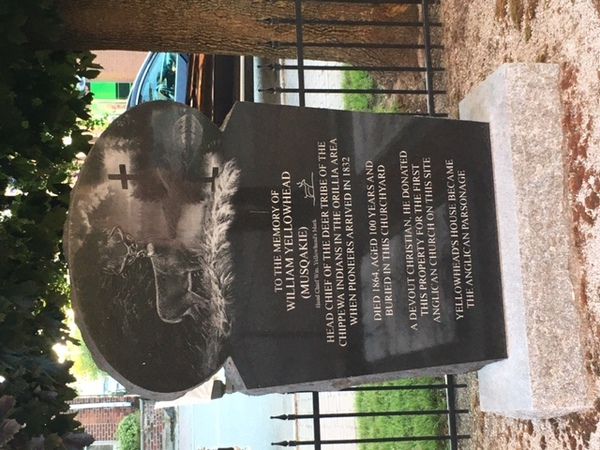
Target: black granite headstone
(305, 244)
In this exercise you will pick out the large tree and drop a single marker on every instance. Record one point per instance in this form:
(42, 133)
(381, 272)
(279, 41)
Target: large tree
(235, 27)
(39, 107)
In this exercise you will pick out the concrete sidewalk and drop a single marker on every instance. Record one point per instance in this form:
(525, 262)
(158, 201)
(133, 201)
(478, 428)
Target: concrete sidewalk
(331, 428)
(322, 79)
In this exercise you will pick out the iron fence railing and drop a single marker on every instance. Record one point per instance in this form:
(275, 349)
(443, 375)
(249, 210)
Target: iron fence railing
(319, 419)
(431, 88)
(427, 46)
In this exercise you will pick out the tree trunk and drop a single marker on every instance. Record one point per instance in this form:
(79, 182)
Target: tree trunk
(235, 27)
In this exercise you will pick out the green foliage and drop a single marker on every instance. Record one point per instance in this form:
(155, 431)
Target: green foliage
(394, 426)
(84, 366)
(358, 79)
(96, 123)
(39, 107)
(128, 432)
(361, 80)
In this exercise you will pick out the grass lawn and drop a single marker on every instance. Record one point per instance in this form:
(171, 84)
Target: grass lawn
(358, 79)
(395, 426)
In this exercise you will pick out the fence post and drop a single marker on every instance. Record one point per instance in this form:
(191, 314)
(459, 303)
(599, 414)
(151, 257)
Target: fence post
(452, 411)
(428, 61)
(316, 420)
(300, 52)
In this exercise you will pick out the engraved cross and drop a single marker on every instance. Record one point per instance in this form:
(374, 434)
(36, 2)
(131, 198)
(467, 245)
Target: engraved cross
(122, 176)
(211, 180)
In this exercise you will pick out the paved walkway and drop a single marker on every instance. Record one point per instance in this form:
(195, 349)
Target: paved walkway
(331, 428)
(312, 79)
(245, 421)
(235, 420)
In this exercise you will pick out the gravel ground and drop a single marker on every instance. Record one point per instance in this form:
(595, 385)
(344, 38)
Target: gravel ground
(479, 36)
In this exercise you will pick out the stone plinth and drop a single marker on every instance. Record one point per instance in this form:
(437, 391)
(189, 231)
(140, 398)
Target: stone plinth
(544, 375)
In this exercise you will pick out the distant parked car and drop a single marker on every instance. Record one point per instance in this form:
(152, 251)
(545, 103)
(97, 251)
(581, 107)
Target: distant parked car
(210, 83)
(163, 76)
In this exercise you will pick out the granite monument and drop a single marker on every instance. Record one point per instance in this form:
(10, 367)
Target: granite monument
(306, 247)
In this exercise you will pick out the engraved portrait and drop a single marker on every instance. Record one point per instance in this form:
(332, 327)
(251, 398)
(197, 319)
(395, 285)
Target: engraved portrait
(146, 241)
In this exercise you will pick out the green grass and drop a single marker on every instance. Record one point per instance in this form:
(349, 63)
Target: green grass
(394, 426)
(358, 79)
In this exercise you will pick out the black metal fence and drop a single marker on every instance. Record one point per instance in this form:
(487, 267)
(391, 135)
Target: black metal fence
(423, 94)
(421, 69)
(319, 419)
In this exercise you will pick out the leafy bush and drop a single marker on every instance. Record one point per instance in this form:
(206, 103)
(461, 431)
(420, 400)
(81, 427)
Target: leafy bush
(39, 107)
(128, 432)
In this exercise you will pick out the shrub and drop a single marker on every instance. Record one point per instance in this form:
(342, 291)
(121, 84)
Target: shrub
(128, 432)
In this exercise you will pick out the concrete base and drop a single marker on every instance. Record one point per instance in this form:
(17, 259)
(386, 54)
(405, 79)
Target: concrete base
(544, 375)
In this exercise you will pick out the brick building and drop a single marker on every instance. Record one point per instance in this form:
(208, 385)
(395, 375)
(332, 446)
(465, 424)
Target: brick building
(156, 427)
(111, 87)
(100, 416)
(118, 66)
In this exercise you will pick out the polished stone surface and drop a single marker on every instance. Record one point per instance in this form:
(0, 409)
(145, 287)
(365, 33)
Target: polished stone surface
(400, 209)
(306, 247)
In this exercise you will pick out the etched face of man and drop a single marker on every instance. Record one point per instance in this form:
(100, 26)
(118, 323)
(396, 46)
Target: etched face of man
(190, 257)
(149, 217)
(176, 272)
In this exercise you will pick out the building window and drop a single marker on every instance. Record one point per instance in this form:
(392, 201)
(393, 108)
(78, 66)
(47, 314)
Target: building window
(123, 90)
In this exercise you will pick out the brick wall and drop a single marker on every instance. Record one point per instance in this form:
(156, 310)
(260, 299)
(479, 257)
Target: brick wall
(101, 422)
(153, 427)
(119, 66)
